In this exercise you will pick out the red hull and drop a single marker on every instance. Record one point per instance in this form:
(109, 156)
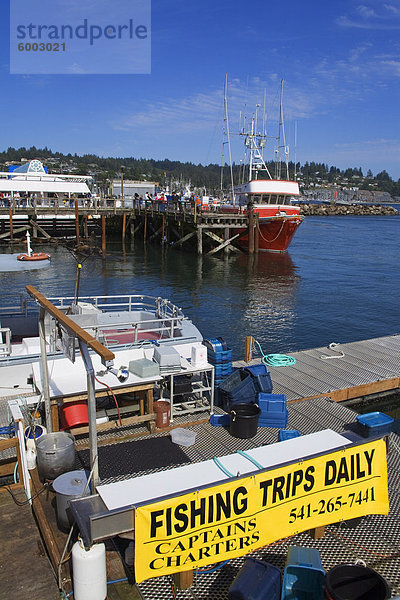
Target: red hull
(274, 235)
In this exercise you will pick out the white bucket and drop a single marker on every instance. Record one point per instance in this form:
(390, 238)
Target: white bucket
(89, 572)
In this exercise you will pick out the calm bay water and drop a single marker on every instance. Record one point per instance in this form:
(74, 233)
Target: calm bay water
(338, 283)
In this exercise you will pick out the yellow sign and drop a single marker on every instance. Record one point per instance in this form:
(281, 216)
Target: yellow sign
(234, 518)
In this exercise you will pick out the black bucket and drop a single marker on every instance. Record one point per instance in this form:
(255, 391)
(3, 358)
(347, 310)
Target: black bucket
(244, 420)
(355, 582)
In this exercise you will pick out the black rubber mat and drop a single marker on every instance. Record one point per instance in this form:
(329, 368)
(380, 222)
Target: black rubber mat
(136, 456)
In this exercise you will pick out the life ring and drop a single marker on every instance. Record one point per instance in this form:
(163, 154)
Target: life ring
(34, 256)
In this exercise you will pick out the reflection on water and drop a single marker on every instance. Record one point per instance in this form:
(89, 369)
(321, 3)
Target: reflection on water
(271, 289)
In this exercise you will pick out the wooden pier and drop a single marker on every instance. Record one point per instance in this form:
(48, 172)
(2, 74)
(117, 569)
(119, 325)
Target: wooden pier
(340, 371)
(181, 225)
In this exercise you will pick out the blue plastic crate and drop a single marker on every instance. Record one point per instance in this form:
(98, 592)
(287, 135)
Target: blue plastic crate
(256, 580)
(277, 422)
(271, 405)
(288, 434)
(236, 385)
(261, 377)
(220, 420)
(223, 369)
(216, 344)
(304, 577)
(374, 424)
(219, 356)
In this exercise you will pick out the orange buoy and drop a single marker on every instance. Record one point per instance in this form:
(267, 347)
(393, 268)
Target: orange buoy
(34, 256)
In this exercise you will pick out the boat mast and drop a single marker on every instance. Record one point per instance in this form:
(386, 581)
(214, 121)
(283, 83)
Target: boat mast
(226, 133)
(255, 143)
(285, 148)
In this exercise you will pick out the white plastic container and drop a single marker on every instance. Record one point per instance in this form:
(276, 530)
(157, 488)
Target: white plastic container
(89, 572)
(183, 437)
(199, 355)
(32, 434)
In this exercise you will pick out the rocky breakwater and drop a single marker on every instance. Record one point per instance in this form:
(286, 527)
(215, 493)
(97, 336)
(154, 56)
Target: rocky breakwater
(346, 209)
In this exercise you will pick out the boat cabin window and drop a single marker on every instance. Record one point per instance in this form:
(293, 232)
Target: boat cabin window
(269, 199)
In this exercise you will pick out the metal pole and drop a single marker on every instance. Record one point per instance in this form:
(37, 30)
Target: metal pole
(94, 461)
(45, 372)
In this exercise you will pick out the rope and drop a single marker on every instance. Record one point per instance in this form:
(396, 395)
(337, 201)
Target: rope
(221, 466)
(250, 458)
(277, 235)
(275, 360)
(333, 347)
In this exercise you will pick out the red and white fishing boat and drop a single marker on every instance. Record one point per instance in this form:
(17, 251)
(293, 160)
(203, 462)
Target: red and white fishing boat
(269, 197)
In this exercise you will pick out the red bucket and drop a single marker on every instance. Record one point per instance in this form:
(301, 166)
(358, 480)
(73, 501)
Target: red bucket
(73, 414)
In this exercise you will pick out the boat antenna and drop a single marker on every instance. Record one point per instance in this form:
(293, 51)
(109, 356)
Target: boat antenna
(285, 147)
(264, 132)
(295, 150)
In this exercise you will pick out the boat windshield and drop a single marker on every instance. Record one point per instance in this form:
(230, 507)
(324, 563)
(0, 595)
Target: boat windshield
(281, 199)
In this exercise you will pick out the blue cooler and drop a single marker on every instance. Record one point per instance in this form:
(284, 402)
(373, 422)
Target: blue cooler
(256, 580)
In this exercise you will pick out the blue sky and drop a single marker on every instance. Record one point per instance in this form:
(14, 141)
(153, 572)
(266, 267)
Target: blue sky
(340, 62)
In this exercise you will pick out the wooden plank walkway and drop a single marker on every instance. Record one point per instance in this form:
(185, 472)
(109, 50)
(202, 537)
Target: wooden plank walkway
(342, 371)
(25, 571)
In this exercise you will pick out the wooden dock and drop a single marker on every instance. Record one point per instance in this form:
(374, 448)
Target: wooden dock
(25, 571)
(341, 372)
(180, 225)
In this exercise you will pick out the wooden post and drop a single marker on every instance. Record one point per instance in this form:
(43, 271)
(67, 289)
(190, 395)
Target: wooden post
(251, 229)
(85, 227)
(103, 236)
(248, 352)
(199, 240)
(184, 580)
(317, 533)
(132, 230)
(10, 212)
(163, 230)
(256, 234)
(226, 237)
(123, 226)
(122, 188)
(77, 222)
(145, 226)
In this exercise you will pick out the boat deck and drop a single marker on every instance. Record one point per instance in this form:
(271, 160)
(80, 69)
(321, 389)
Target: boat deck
(342, 372)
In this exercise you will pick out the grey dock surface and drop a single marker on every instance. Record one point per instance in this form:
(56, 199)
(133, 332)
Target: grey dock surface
(342, 372)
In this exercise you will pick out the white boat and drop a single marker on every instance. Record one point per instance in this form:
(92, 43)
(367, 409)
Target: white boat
(118, 322)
